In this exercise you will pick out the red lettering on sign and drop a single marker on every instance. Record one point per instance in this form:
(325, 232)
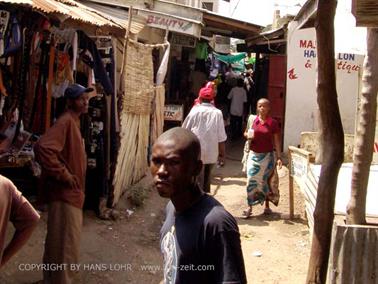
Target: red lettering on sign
(344, 65)
(306, 44)
(292, 76)
(150, 19)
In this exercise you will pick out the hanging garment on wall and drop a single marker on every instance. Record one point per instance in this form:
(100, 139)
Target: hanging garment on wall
(87, 43)
(63, 74)
(13, 41)
(22, 75)
(36, 123)
(32, 78)
(201, 50)
(68, 36)
(4, 20)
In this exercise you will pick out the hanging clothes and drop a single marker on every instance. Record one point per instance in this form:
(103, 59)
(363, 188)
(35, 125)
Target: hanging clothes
(201, 50)
(4, 20)
(101, 75)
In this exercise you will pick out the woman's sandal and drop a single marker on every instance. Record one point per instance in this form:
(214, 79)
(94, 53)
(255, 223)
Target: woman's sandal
(247, 213)
(268, 211)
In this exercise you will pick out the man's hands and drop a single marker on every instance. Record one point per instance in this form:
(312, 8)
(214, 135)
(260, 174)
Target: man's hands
(73, 182)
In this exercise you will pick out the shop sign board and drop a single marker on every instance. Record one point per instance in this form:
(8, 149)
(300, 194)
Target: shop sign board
(173, 24)
(174, 112)
(299, 162)
(183, 40)
(222, 44)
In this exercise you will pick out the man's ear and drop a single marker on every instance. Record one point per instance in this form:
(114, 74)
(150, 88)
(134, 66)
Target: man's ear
(198, 167)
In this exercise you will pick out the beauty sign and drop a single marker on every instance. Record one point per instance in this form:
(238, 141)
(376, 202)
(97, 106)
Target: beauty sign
(171, 23)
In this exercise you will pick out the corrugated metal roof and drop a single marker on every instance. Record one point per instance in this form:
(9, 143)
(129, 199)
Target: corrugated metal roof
(74, 10)
(119, 15)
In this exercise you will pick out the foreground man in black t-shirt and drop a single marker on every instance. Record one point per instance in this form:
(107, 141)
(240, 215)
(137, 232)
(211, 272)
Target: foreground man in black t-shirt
(200, 240)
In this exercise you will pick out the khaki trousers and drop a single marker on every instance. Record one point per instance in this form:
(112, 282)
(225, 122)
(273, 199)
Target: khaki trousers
(62, 244)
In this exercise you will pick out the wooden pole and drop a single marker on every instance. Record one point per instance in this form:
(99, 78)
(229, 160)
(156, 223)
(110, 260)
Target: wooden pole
(332, 139)
(49, 83)
(364, 140)
(291, 190)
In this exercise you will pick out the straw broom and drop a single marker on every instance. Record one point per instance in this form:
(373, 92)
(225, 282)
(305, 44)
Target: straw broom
(135, 118)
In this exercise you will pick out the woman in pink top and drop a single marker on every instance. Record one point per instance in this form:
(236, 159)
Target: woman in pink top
(263, 133)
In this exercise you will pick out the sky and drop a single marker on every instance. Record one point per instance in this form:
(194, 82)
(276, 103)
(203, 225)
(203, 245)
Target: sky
(261, 12)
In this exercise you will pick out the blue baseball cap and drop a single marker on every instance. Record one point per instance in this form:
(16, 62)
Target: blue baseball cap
(76, 90)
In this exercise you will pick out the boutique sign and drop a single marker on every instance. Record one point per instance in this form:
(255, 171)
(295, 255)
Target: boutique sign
(345, 62)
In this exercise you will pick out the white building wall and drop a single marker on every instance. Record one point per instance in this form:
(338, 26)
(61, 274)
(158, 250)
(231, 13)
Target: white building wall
(224, 8)
(301, 106)
(302, 112)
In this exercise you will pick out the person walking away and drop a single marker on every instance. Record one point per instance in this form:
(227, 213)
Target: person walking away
(16, 209)
(249, 86)
(61, 153)
(238, 97)
(206, 122)
(264, 135)
(221, 101)
(199, 239)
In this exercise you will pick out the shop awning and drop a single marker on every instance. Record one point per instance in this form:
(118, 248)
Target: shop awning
(221, 25)
(68, 8)
(118, 15)
(231, 58)
(163, 15)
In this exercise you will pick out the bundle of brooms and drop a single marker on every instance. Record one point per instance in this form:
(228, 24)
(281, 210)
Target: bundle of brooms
(158, 115)
(135, 117)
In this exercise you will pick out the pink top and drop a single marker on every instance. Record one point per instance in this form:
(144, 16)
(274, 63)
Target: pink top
(13, 208)
(262, 141)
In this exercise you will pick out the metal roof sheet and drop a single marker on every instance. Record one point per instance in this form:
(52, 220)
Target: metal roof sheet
(119, 15)
(70, 8)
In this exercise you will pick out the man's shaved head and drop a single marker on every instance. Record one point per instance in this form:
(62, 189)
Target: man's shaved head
(185, 139)
(175, 163)
(263, 101)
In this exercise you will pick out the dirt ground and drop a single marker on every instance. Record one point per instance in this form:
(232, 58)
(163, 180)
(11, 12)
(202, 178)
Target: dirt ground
(275, 249)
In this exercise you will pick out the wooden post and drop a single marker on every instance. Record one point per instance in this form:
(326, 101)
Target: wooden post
(332, 139)
(291, 190)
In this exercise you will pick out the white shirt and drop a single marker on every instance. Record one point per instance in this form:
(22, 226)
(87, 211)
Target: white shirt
(206, 122)
(238, 97)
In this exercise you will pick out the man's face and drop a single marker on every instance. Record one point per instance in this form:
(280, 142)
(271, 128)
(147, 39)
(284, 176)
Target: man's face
(80, 105)
(172, 168)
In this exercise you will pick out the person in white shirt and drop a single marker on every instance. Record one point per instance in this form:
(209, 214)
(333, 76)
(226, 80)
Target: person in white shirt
(206, 122)
(238, 97)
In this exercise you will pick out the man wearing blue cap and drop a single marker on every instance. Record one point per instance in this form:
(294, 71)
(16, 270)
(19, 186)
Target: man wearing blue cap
(61, 153)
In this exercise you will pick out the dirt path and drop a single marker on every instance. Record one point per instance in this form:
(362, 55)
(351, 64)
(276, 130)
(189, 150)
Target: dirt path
(127, 250)
(282, 243)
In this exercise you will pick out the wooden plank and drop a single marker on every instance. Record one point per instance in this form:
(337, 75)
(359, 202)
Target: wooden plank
(353, 254)
(291, 192)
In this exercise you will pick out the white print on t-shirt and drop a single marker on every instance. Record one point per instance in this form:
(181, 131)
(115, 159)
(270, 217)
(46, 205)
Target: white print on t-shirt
(168, 248)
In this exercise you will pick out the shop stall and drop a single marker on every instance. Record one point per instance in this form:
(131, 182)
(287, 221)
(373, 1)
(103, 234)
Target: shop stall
(44, 47)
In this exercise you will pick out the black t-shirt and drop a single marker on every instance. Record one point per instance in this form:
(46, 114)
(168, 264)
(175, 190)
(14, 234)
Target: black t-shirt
(201, 245)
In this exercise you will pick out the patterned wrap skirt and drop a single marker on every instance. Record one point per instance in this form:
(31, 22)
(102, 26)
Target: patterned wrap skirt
(260, 167)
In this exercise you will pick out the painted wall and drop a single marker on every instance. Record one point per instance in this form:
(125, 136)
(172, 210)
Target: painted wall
(301, 106)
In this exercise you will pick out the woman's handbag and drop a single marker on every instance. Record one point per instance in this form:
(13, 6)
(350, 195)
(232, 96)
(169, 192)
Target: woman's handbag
(251, 120)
